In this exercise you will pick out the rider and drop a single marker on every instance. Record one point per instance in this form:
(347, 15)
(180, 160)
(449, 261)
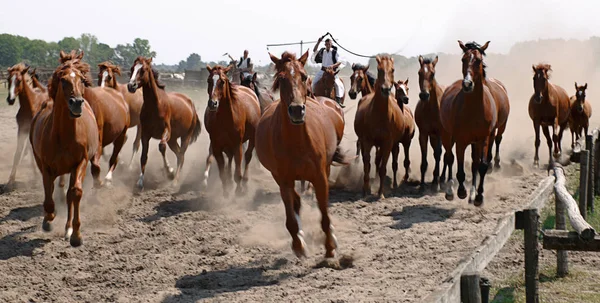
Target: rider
(245, 66)
(328, 57)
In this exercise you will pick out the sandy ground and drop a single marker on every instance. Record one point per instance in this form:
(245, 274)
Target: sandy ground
(188, 244)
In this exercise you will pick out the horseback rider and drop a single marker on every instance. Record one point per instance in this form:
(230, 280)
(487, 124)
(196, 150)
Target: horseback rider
(328, 57)
(245, 66)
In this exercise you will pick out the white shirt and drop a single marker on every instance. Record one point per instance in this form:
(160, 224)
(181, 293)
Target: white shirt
(328, 58)
(244, 63)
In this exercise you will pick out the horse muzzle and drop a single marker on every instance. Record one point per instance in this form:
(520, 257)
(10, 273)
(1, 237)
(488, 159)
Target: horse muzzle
(538, 98)
(580, 109)
(132, 87)
(10, 101)
(467, 86)
(297, 113)
(404, 99)
(213, 105)
(76, 107)
(424, 95)
(352, 94)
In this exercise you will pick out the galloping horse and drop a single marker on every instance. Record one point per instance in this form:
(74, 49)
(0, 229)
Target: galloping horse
(427, 117)
(107, 78)
(64, 137)
(265, 97)
(361, 82)
(298, 139)
(379, 122)
(164, 116)
(231, 117)
(469, 117)
(112, 117)
(409, 131)
(548, 106)
(30, 101)
(581, 111)
(325, 86)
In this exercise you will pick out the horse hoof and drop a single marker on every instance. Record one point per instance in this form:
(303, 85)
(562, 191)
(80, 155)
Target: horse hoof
(422, 188)
(76, 241)
(449, 196)
(47, 226)
(461, 193)
(68, 233)
(478, 200)
(489, 170)
(299, 246)
(381, 196)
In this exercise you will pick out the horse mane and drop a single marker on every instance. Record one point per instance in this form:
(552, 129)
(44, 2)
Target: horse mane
(156, 74)
(544, 67)
(18, 67)
(83, 67)
(472, 45)
(230, 93)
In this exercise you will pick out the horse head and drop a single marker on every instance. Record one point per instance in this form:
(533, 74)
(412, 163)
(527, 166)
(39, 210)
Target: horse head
(473, 68)
(426, 76)
(540, 81)
(385, 74)
(291, 80)
(401, 92)
(580, 95)
(106, 74)
(219, 85)
(358, 80)
(16, 81)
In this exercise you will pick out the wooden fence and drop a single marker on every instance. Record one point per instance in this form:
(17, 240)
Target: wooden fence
(465, 283)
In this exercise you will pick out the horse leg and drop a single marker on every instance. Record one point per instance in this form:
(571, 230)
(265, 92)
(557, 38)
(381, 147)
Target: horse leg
(483, 167)
(292, 222)
(224, 179)
(536, 157)
(114, 158)
(73, 199)
(357, 151)
(406, 147)
(96, 166)
(247, 159)
(174, 146)
(136, 145)
(572, 138)
(498, 140)
(546, 131)
(385, 151)
(143, 160)
(555, 131)
(17, 158)
(460, 174)
(377, 160)
(395, 152)
(423, 144)
(476, 159)
(162, 147)
(436, 144)
(322, 193)
(560, 136)
(237, 175)
(366, 156)
(209, 158)
(49, 214)
(488, 155)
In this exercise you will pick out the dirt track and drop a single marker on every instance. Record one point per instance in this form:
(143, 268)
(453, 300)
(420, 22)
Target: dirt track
(187, 244)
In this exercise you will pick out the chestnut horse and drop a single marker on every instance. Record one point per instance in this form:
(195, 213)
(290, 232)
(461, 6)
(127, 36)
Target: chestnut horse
(326, 85)
(360, 81)
(30, 100)
(298, 139)
(409, 131)
(427, 117)
(265, 97)
(64, 137)
(469, 117)
(35, 80)
(548, 106)
(166, 116)
(581, 111)
(112, 116)
(379, 122)
(231, 117)
(107, 78)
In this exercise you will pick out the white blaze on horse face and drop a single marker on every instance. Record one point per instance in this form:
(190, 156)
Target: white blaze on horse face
(403, 87)
(292, 71)
(425, 69)
(104, 76)
(72, 74)
(136, 69)
(13, 81)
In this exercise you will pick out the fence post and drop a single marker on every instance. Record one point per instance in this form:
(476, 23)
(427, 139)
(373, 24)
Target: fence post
(591, 168)
(470, 292)
(532, 219)
(562, 263)
(583, 181)
(596, 165)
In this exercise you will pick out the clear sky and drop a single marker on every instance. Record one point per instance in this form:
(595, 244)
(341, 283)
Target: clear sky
(176, 28)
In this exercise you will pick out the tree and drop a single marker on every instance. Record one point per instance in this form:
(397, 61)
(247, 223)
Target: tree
(35, 52)
(68, 44)
(10, 50)
(193, 62)
(141, 47)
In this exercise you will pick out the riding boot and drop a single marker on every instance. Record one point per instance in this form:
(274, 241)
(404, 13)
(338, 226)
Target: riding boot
(339, 101)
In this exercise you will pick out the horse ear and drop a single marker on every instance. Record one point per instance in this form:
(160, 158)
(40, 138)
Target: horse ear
(533, 66)
(254, 77)
(585, 86)
(25, 70)
(62, 54)
(226, 70)
(353, 66)
(304, 58)
(274, 59)
(420, 59)
(435, 61)
(117, 70)
(366, 68)
(462, 46)
(149, 60)
(406, 81)
(485, 46)
(80, 56)
(378, 59)
(576, 87)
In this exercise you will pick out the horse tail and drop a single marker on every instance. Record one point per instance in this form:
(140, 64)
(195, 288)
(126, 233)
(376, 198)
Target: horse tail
(339, 159)
(197, 129)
